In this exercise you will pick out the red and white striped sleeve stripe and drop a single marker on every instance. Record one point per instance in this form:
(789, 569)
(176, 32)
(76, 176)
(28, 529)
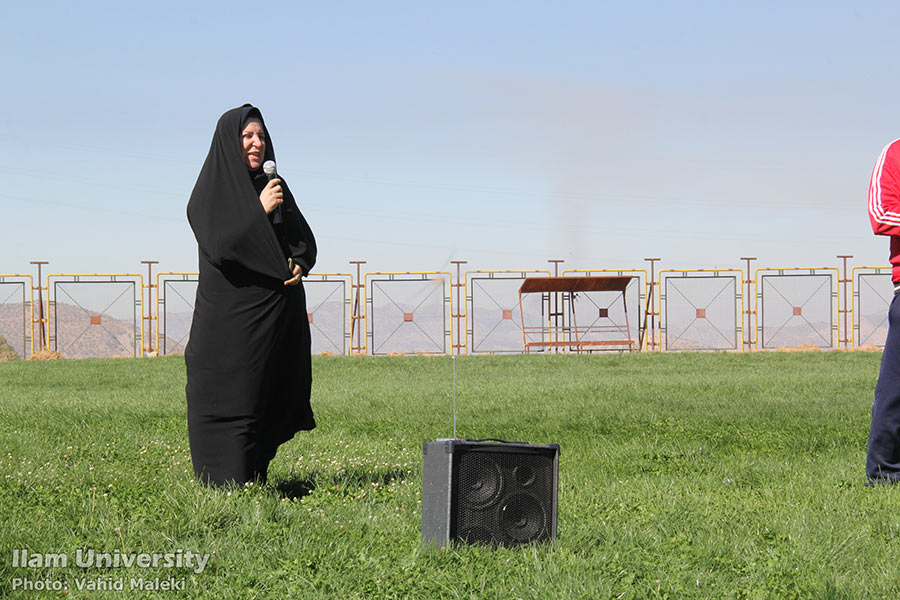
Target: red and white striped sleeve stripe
(884, 192)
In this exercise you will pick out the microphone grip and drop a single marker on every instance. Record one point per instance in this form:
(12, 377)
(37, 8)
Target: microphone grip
(276, 214)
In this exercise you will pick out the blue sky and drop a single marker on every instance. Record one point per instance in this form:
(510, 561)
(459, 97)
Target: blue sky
(415, 133)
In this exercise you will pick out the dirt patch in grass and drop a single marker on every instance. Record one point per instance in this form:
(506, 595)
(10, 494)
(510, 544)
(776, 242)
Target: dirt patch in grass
(46, 355)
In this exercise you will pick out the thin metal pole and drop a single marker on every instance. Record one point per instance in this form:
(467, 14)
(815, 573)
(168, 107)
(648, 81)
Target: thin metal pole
(553, 308)
(748, 336)
(355, 315)
(844, 281)
(459, 308)
(453, 359)
(652, 303)
(40, 319)
(149, 316)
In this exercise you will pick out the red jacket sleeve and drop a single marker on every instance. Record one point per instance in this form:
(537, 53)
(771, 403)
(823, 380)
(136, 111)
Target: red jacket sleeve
(884, 192)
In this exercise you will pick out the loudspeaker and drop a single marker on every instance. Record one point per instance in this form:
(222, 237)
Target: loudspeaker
(500, 493)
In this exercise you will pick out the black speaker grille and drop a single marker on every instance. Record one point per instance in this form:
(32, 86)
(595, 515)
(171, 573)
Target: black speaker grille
(504, 496)
(522, 517)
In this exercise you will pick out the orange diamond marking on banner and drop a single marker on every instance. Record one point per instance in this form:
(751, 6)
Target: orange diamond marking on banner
(701, 313)
(798, 311)
(507, 314)
(407, 317)
(309, 317)
(95, 320)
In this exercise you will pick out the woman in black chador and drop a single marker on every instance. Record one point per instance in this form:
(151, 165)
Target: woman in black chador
(248, 357)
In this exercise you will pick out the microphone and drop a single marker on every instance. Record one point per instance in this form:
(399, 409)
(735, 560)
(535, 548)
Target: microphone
(269, 170)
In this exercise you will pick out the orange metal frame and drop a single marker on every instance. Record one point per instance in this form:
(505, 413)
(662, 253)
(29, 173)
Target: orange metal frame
(855, 318)
(133, 278)
(572, 335)
(833, 271)
(406, 276)
(491, 274)
(643, 296)
(346, 278)
(27, 309)
(735, 274)
(161, 280)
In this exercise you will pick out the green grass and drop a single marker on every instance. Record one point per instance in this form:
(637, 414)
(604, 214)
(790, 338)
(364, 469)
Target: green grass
(681, 476)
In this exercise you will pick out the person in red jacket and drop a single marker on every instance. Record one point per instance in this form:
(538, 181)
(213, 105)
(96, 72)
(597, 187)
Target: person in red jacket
(883, 460)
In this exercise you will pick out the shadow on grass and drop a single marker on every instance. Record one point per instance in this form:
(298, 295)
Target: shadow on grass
(296, 487)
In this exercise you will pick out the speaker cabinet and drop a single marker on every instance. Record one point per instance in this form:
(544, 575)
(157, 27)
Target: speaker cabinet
(501, 493)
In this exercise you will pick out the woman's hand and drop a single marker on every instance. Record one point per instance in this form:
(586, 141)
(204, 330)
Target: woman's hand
(298, 272)
(271, 196)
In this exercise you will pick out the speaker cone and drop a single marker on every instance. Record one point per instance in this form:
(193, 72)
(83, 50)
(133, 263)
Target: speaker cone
(481, 487)
(524, 475)
(522, 517)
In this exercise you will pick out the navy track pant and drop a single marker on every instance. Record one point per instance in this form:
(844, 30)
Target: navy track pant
(883, 461)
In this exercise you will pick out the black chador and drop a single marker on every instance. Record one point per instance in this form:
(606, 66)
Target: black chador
(248, 357)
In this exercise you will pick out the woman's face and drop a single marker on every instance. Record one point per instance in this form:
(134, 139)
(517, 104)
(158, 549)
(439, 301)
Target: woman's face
(253, 144)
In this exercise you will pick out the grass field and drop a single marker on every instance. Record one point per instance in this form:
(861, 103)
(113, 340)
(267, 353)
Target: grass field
(681, 476)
